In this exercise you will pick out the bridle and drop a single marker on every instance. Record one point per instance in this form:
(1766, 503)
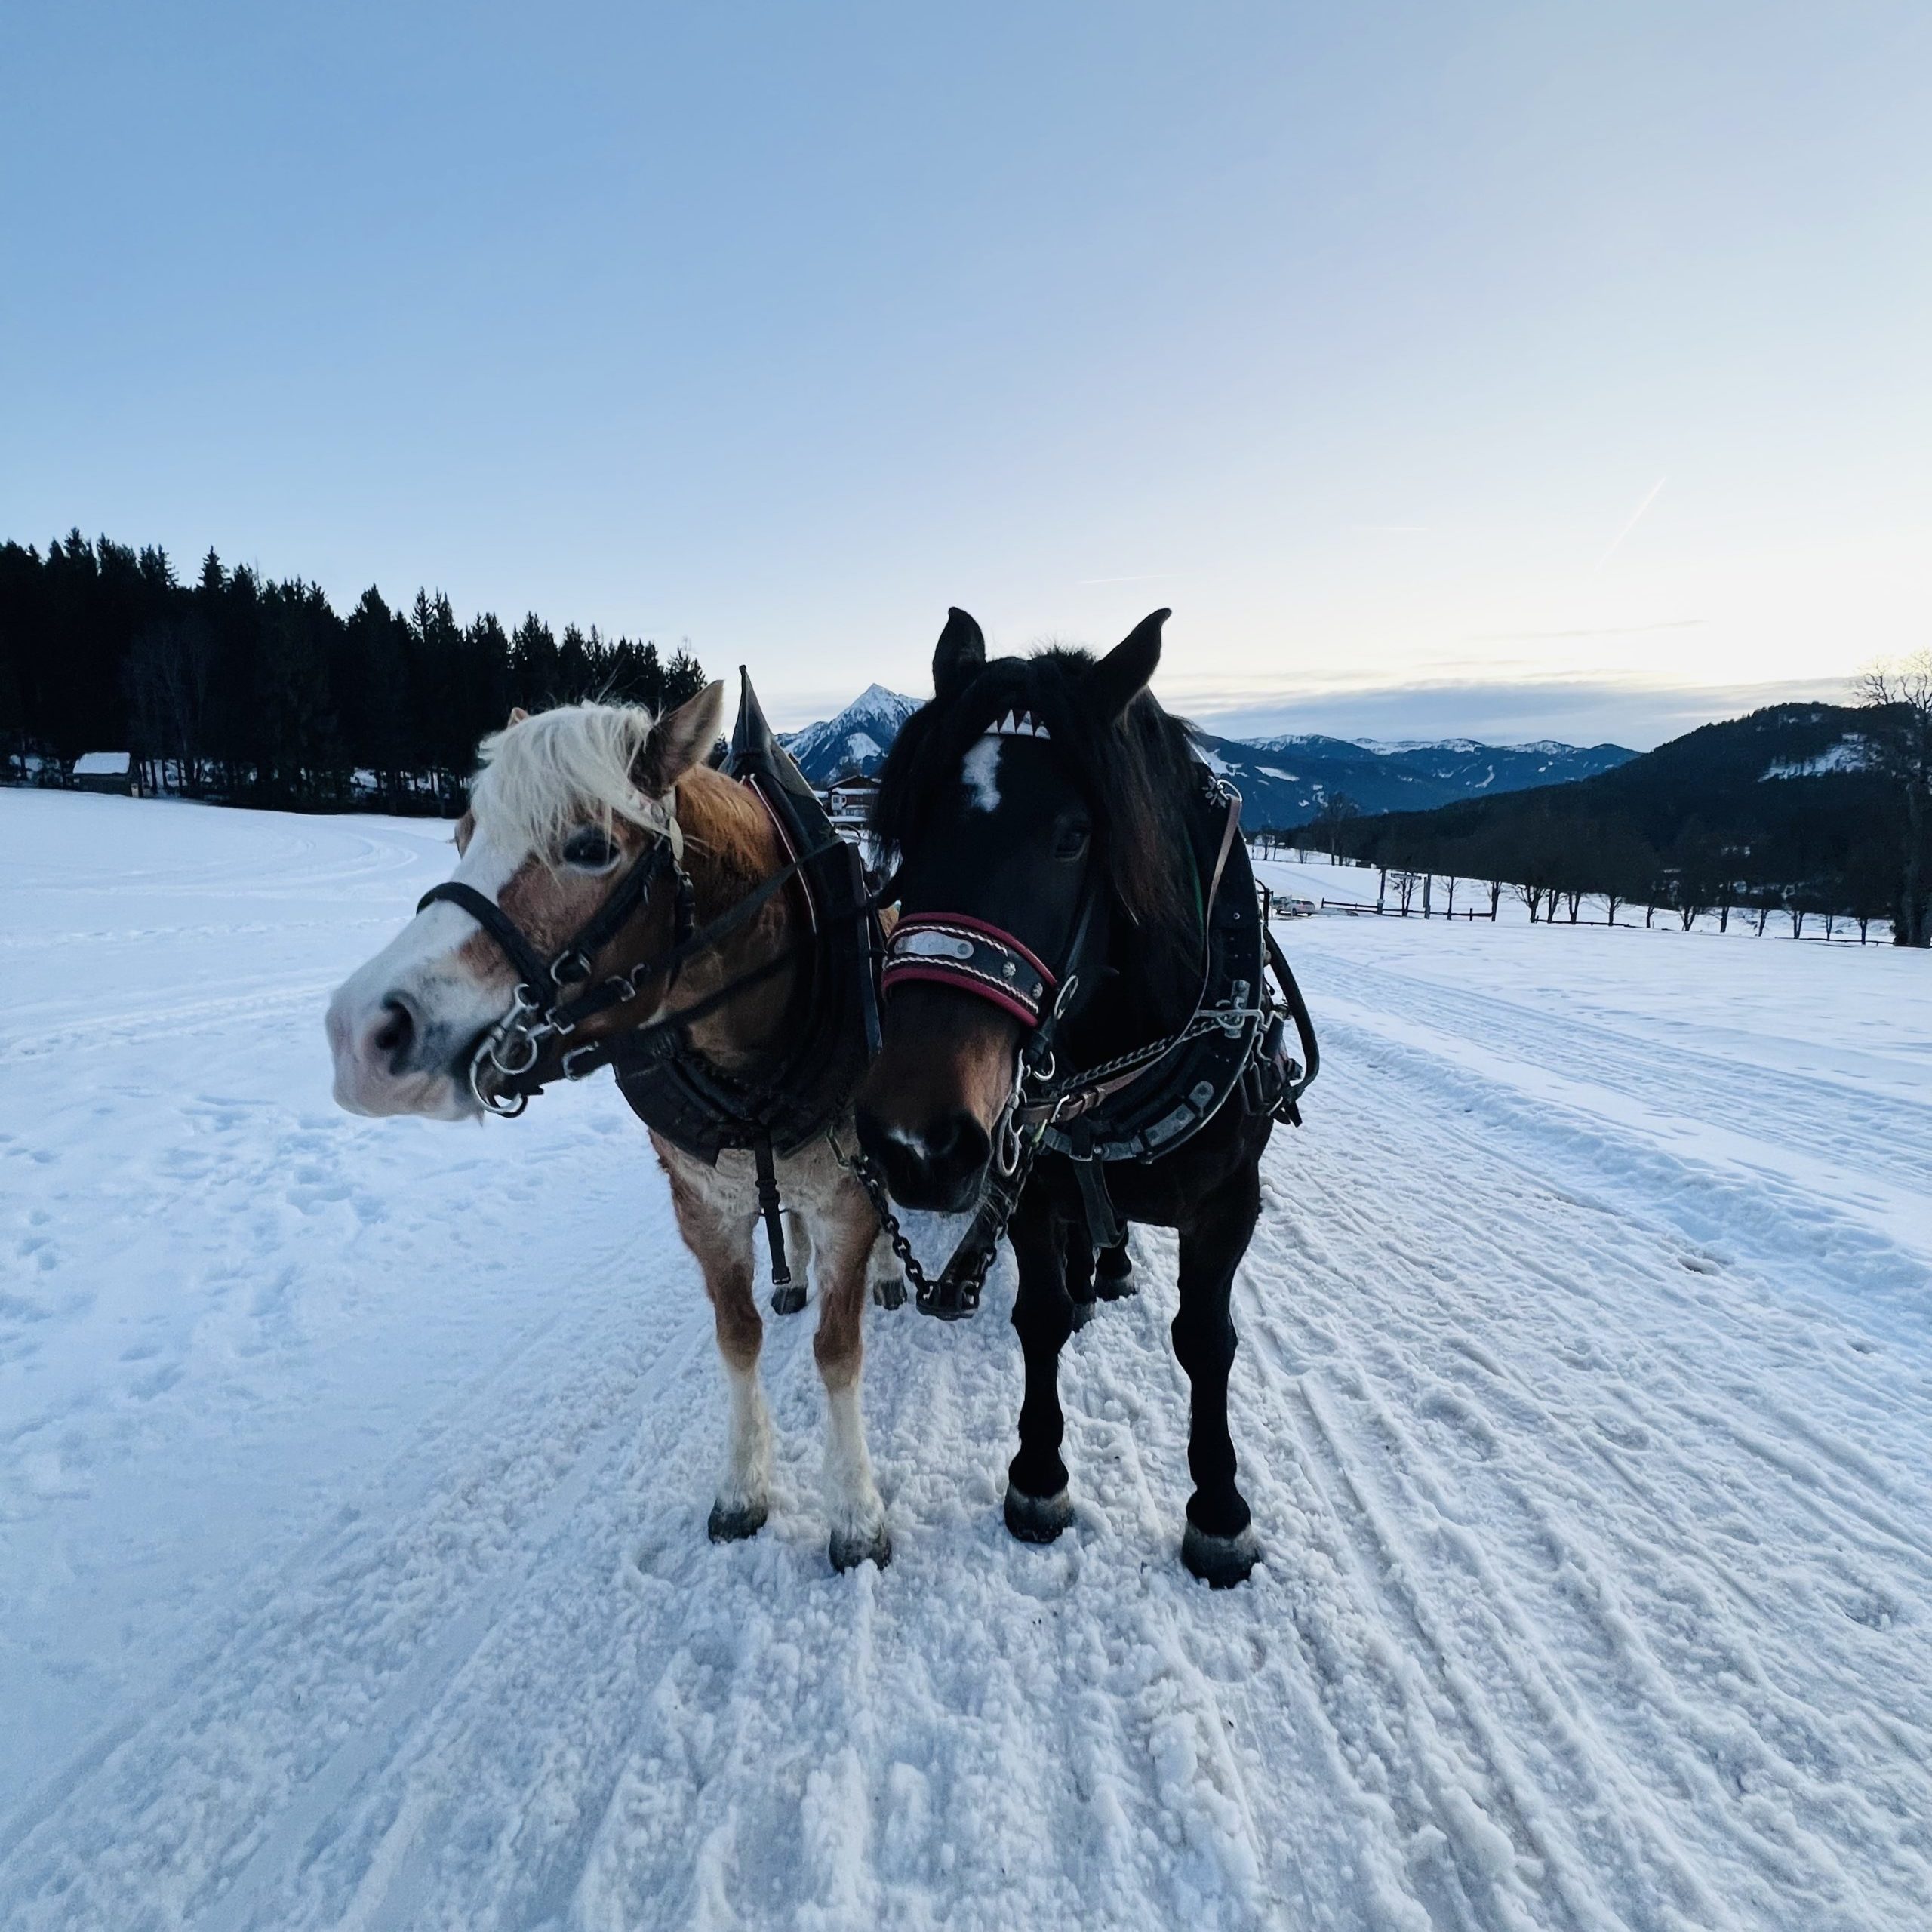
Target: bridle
(543, 1006)
(972, 955)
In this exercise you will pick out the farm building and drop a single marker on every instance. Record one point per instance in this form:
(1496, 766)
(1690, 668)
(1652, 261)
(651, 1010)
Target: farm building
(848, 800)
(107, 771)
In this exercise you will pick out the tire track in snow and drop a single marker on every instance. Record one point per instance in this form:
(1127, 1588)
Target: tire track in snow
(1548, 1814)
(1796, 1112)
(1459, 1184)
(320, 1798)
(1553, 1173)
(1469, 1868)
(352, 1636)
(1792, 1236)
(1788, 1106)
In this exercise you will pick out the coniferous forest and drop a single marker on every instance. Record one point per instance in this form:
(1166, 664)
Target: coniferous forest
(239, 687)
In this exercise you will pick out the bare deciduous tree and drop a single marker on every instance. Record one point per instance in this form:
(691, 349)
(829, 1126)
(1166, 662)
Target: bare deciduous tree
(1332, 820)
(1898, 700)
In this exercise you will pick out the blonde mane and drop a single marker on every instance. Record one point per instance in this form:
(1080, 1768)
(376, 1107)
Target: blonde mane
(539, 777)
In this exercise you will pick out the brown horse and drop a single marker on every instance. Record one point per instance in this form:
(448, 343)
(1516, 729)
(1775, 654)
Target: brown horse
(565, 804)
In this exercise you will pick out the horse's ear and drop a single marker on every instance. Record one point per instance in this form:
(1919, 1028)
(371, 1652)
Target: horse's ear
(518, 715)
(959, 655)
(1122, 675)
(678, 741)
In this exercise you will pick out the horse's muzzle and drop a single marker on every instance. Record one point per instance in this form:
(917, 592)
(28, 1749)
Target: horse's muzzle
(390, 1060)
(939, 1167)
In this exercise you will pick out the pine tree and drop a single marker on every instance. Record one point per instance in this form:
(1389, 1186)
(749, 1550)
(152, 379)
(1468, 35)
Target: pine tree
(254, 688)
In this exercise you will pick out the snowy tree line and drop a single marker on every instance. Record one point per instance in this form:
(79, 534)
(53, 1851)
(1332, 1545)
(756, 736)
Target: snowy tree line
(1798, 812)
(1559, 872)
(240, 688)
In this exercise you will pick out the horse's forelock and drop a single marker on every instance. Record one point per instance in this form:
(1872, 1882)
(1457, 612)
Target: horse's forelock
(1137, 775)
(538, 777)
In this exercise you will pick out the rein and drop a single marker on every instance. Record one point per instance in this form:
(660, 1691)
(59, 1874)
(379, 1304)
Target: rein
(975, 956)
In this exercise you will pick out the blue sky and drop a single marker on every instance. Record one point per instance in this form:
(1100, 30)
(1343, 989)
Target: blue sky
(1516, 371)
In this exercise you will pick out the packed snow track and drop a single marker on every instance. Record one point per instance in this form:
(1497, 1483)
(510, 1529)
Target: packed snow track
(353, 1474)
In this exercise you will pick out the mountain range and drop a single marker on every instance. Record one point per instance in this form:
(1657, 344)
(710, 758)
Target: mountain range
(1282, 781)
(1788, 806)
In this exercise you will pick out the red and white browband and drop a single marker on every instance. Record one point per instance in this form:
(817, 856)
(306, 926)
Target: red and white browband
(954, 949)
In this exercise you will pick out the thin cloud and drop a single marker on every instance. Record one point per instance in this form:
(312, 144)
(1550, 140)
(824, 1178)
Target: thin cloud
(1146, 577)
(1613, 630)
(1585, 711)
(1636, 518)
(1412, 529)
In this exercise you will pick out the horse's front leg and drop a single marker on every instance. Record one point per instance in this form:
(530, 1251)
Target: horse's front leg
(1077, 1262)
(1037, 1507)
(718, 1233)
(1219, 1544)
(843, 1238)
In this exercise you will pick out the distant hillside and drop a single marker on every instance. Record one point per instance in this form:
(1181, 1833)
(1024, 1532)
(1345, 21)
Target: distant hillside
(1777, 806)
(1282, 781)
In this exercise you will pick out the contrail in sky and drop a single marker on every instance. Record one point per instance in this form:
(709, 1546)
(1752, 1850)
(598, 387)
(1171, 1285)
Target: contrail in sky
(1636, 518)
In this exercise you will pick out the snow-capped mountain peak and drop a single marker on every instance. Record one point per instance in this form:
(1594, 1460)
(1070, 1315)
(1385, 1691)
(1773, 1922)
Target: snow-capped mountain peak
(856, 740)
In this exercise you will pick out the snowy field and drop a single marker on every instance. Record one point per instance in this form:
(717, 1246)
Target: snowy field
(353, 1474)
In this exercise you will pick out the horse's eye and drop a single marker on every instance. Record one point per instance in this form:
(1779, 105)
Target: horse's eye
(1071, 843)
(590, 850)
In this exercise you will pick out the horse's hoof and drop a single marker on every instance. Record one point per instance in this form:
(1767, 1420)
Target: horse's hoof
(1116, 1285)
(889, 1290)
(733, 1525)
(1037, 1518)
(1083, 1313)
(1220, 1562)
(789, 1298)
(850, 1548)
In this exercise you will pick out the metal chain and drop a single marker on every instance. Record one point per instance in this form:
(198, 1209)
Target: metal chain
(968, 1280)
(860, 1167)
(1212, 1019)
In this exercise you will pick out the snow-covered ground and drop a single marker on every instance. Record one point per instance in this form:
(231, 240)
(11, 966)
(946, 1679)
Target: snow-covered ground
(353, 1474)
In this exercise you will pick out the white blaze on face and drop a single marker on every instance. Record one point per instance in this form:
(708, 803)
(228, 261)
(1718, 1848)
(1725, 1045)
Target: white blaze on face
(981, 773)
(448, 1004)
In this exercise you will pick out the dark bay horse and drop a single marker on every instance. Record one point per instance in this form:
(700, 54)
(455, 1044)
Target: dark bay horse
(1053, 889)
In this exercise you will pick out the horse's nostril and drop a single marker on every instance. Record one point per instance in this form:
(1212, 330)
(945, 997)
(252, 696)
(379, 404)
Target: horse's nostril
(397, 1034)
(943, 1144)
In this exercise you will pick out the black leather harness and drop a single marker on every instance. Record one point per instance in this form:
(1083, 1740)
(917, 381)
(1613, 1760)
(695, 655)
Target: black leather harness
(1147, 1103)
